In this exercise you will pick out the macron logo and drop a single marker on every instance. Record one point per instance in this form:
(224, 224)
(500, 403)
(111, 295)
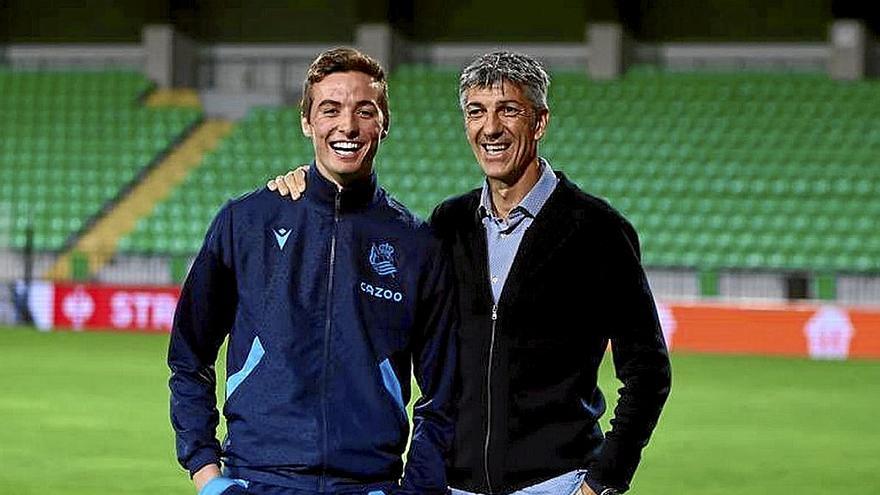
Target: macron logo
(281, 236)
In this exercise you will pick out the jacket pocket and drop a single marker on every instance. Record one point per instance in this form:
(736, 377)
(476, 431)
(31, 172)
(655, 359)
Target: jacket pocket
(255, 355)
(392, 384)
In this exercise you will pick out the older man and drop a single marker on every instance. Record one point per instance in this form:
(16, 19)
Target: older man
(547, 275)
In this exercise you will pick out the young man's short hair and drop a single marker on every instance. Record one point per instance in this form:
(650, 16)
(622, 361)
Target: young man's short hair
(345, 60)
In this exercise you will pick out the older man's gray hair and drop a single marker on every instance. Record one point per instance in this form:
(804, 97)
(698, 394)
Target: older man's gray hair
(493, 68)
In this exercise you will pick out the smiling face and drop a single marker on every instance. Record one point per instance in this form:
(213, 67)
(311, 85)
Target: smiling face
(503, 129)
(345, 124)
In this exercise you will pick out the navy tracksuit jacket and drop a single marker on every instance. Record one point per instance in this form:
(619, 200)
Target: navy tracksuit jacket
(329, 303)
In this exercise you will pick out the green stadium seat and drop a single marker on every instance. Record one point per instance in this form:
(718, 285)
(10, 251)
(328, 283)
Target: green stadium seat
(75, 140)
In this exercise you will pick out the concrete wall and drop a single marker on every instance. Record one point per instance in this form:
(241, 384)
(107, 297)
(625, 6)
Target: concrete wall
(256, 68)
(66, 56)
(738, 285)
(688, 56)
(553, 55)
(859, 289)
(673, 284)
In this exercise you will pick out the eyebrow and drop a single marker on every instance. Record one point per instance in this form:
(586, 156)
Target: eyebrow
(339, 104)
(502, 102)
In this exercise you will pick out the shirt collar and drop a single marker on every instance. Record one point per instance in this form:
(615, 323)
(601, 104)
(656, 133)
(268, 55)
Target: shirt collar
(533, 201)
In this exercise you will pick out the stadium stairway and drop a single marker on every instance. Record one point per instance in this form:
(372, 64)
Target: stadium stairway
(174, 97)
(99, 242)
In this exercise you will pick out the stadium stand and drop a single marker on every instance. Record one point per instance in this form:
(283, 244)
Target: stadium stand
(751, 170)
(746, 170)
(72, 142)
(266, 141)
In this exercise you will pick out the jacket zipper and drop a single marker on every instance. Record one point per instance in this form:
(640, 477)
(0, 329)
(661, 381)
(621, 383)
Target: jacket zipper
(327, 328)
(489, 399)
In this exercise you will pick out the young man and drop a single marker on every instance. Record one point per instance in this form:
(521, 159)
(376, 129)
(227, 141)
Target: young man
(328, 304)
(547, 275)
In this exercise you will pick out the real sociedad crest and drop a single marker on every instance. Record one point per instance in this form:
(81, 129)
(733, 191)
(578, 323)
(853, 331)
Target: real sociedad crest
(382, 259)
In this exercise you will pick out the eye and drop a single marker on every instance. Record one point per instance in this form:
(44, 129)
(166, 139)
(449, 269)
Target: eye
(367, 113)
(510, 111)
(474, 113)
(329, 111)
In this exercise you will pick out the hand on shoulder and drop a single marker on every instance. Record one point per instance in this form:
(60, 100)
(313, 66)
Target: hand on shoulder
(291, 184)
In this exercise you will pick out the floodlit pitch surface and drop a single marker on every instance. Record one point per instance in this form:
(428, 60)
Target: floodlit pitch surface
(88, 414)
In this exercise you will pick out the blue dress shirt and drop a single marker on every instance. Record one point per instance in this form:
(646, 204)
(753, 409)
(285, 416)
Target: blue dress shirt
(503, 236)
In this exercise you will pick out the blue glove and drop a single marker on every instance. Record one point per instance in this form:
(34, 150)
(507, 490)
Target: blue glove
(222, 485)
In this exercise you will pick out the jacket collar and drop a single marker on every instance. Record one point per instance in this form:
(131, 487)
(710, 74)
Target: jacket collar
(356, 195)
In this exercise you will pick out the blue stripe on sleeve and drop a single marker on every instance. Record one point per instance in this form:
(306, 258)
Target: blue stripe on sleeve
(253, 359)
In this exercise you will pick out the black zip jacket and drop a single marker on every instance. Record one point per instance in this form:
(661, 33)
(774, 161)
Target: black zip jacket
(528, 402)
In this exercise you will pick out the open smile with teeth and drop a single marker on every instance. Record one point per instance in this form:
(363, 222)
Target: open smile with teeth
(346, 148)
(495, 148)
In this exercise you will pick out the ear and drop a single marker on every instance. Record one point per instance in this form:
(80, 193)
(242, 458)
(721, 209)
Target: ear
(306, 127)
(386, 125)
(541, 123)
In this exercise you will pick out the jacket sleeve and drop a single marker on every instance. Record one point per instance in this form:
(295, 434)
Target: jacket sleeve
(203, 318)
(641, 362)
(434, 364)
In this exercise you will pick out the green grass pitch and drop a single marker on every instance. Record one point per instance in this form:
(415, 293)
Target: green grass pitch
(87, 414)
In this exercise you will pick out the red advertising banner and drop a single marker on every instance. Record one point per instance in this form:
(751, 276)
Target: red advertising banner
(820, 331)
(103, 307)
(817, 331)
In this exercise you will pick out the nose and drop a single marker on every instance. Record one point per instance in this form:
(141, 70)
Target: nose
(348, 125)
(492, 127)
